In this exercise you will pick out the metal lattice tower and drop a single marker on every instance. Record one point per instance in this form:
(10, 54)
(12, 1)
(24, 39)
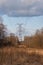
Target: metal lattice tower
(20, 31)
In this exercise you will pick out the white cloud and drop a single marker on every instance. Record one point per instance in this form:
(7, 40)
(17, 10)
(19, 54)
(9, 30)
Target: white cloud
(21, 7)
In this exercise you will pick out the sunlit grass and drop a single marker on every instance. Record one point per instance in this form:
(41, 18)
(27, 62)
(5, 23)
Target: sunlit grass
(19, 56)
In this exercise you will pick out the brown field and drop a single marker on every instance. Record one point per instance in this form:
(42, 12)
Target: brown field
(21, 56)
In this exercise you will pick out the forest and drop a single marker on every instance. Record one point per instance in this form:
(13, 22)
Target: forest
(34, 41)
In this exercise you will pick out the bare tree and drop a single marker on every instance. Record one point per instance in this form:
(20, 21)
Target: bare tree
(2, 33)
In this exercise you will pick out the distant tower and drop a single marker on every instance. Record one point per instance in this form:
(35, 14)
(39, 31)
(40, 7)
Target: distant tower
(20, 31)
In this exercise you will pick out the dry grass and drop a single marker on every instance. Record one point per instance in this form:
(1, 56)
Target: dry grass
(20, 56)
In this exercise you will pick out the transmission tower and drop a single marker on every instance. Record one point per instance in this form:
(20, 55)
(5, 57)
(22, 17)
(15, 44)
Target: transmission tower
(20, 31)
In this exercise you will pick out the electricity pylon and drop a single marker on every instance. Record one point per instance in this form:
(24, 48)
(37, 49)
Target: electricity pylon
(20, 31)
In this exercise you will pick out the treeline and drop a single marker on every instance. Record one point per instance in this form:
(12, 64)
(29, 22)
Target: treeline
(5, 38)
(35, 41)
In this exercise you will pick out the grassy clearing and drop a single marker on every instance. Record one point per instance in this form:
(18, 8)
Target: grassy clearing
(20, 56)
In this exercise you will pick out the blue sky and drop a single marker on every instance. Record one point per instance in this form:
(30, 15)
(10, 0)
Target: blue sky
(28, 12)
(31, 24)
